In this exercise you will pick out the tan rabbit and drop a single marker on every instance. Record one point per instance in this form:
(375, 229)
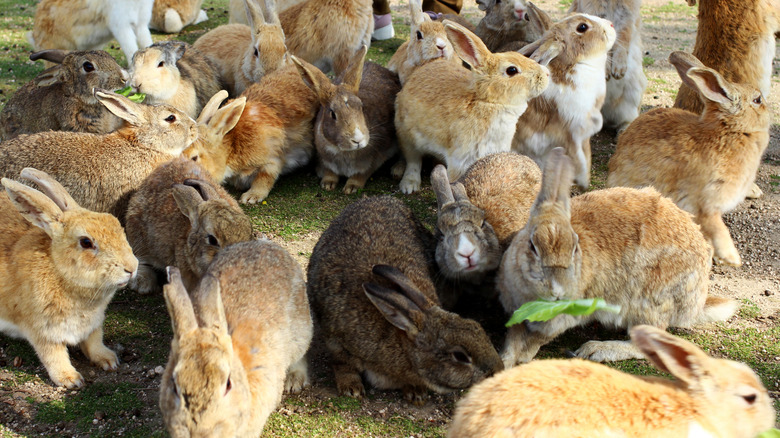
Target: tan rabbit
(574, 398)
(170, 16)
(327, 33)
(626, 81)
(244, 54)
(705, 163)
(353, 132)
(568, 112)
(238, 343)
(61, 99)
(370, 283)
(428, 41)
(175, 73)
(633, 248)
(102, 171)
(61, 265)
(511, 23)
(461, 115)
(238, 10)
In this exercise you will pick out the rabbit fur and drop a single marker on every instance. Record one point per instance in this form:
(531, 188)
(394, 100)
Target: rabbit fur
(372, 294)
(626, 80)
(508, 23)
(568, 112)
(238, 342)
(461, 115)
(244, 54)
(90, 24)
(709, 161)
(170, 16)
(633, 248)
(353, 132)
(102, 171)
(175, 73)
(61, 99)
(576, 398)
(61, 266)
(238, 11)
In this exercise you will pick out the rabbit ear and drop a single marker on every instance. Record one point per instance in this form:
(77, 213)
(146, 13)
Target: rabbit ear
(396, 308)
(469, 47)
(354, 72)
(206, 191)
(402, 281)
(459, 192)
(212, 311)
(51, 55)
(177, 51)
(211, 106)
(441, 186)
(54, 75)
(556, 181)
(539, 19)
(34, 206)
(179, 304)
(416, 12)
(226, 118)
(254, 15)
(528, 49)
(547, 51)
(484, 4)
(271, 17)
(121, 106)
(711, 86)
(187, 199)
(313, 78)
(683, 61)
(676, 356)
(51, 188)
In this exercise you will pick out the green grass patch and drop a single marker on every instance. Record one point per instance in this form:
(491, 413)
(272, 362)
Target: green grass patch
(749, 309)
(114, 401)
(647, 61)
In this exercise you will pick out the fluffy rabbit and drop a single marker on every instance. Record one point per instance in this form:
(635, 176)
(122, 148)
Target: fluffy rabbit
(575, 398)
(170, 16)
(371, 291)
(244, 54)
(626, 81)
(354, 133)
(507, 23)
(327, 33)
(238, 343)
(90, 24)
(175, 73)
(633, 248)
(705, 163)
(61, 99)
(568, 112)
(460, 115)
(238, 10)
(428, 41)
(273, 135)
(180, 217)
(54, 251)
(102, 171)
(477, 221)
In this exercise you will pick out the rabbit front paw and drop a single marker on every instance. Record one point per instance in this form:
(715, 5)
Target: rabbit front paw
(350, 384)
(410, 184)
(619, 62)
(253, 196)
(67, 377)
(608, 351)
(297, 377)
(103, 357)
(145, 282)
(416, 395)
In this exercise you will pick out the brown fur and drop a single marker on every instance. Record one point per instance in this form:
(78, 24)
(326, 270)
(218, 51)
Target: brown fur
(501, 26)
(188, 12)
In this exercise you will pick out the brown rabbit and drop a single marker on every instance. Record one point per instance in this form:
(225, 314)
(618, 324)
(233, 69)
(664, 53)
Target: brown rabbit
(705, 163)
(372, 293)
(170, 16)
(511, 23)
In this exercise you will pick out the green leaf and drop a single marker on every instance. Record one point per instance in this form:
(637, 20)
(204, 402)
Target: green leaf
(771, 433)
(128, 92)
(541, 310)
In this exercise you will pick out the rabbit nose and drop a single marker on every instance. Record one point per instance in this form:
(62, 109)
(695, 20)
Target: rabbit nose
(440, 44)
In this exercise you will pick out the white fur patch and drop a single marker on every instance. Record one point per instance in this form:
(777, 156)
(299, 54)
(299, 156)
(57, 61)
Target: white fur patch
(10, 329)
(696, 431)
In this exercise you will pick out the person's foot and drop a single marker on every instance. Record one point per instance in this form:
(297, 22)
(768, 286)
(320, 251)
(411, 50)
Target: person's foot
(383, 27)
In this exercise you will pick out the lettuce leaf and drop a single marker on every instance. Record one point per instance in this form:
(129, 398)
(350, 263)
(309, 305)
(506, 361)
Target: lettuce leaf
(541, 310)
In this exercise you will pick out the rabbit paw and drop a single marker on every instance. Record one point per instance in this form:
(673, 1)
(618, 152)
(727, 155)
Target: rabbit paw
(252, 196)
(416, 395)
(410, 184)
(69, 378)
(350, 385)
(328, 182)
(618, 62)
(103, 357)
(297, 377)
(145, 282)
(755, 192)
(398, 169)
(608, 351)
(353, 186)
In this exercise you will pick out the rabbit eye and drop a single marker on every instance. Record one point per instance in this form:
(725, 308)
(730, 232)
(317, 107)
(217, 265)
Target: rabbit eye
(757, 100)
(750, 399)
(228, 386)
(256, 53)
(88, 67)
(526, 17)
(533, 247)
(86, 243)
(512, 70)
(332, 114)
(195, 158)
(161, 64)
(170, 119)
(419, 35)
(461, 357)
(582, 27)
(212, 240)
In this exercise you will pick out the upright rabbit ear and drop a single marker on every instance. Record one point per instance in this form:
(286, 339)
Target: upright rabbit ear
(210, 307)
(459, 192)
(354, 72)
(121, 106)
(187, 199)
(416, 12)
(683, 61)
(254, 15)
(538, 19)
(676, 356)
(441, 186)
(211, 106)
(179, 304)
(270, 13)
(548, 50)
(469, 47)
(407, 287)
(313, 78)
(711, 86)
(556, 181)
(226, 118)
(51, 187)
(396, 308)
(34, 206)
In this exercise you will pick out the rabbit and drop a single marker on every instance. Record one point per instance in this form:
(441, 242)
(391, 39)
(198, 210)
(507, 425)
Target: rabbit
(274, 134)
(479, 215)
(370, 285)
(102, 171)
(460, 115)
(239, 341)
(508, 23)
(90, 24)
(175, 73)
(626, 81)
(568, 112)
(180, 217)
(238, 11)
(244, 54)
(427, 41)
(60, 98)
(61, 266)
(705, 163)
(554, 398)
(354, 133)
(327, 33)
(170, 16)
(633, 248)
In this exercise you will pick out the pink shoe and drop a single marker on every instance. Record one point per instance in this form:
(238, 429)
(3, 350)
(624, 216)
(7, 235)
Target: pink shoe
(383, 27)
